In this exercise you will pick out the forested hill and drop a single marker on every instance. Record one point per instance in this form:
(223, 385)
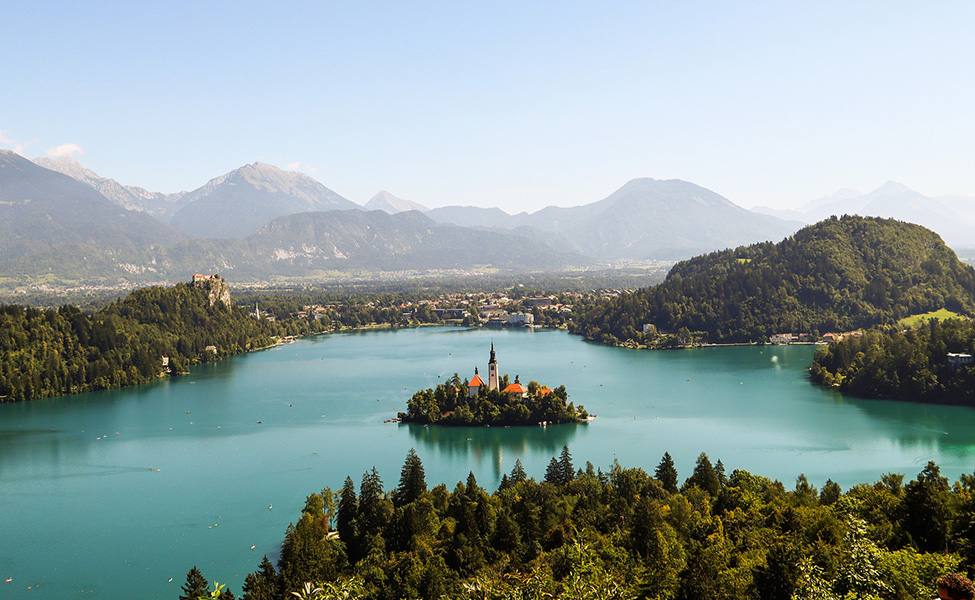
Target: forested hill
(907, 364)
(839, 274)
(45, 353)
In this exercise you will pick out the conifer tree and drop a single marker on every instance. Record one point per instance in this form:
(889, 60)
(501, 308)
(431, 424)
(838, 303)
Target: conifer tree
(553, 473)
(196, 586)
(719, 471)
(926, 509)
(347, 511)
(566, 471)
(412, 481)
(375, 509)
(830, 493)
(518, 474)
(666, 473)
(262, 584)
(704, 476)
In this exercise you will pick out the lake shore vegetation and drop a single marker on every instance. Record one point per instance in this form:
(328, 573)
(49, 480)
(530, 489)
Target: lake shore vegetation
(584, 533)
(151, 332)
(913, 363)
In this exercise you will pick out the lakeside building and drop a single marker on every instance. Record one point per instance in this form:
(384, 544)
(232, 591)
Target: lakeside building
(958, 360)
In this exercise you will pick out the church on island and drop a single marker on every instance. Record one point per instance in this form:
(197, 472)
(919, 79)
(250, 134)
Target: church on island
(476, 402)
(514, 390)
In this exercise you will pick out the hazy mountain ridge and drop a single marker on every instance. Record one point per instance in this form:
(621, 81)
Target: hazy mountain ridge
(389, 203)
(644, 219)
(953, 217)
(41, 209)
(239, 203)
(157, 204)
(308, 245)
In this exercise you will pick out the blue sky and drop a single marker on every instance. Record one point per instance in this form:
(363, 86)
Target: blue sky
(516, 105)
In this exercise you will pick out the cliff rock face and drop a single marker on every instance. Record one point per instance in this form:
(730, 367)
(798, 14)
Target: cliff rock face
(216, 288)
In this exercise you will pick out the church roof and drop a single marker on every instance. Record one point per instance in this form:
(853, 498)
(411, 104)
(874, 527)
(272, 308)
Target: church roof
(475, 381)
(515, 388)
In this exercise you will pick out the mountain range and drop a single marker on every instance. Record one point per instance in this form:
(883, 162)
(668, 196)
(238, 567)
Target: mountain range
(953, 217)
(644, 219)
(262, 222)
(40, 208)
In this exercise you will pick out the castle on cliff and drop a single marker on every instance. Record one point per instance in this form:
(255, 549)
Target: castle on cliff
(216, 288)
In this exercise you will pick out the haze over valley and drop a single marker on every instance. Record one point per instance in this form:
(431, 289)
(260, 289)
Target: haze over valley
(259, 223)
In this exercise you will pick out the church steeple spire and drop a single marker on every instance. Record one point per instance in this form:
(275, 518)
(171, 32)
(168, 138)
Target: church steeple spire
(492, 370)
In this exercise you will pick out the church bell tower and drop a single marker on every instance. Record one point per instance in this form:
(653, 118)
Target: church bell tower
(492, 370)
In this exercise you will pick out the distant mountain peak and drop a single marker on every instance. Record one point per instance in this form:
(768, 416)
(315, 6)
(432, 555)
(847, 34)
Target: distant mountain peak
(157, 204)
(240, 202)
(893, 187)
(389, 203)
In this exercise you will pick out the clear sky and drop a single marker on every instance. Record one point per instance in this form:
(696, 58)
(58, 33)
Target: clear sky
(518, 105)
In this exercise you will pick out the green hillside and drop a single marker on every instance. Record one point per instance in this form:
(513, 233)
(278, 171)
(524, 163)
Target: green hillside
(45, 353)
(837, 275)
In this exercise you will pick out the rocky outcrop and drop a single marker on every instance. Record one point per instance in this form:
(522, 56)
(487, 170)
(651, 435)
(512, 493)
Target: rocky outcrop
(216, 288)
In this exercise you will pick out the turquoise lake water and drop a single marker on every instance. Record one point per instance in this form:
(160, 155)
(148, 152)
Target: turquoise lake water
(111, 494)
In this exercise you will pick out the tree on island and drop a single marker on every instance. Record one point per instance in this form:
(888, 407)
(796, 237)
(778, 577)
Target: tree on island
(454, 403)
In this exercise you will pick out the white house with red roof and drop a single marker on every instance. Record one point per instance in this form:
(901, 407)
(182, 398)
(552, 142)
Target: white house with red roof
(474, 384)
(516, 390)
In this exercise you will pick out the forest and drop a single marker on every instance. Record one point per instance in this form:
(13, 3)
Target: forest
(53, 352)
(582, 533)
(837, 275)
(902, 363)
(449, 404)
(66, 350)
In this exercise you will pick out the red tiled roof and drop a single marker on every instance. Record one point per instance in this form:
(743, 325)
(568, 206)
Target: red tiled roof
(515, 388)
(475, 381)
(544, 391)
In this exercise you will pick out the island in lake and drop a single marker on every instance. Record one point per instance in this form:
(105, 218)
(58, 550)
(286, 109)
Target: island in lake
(495, 402)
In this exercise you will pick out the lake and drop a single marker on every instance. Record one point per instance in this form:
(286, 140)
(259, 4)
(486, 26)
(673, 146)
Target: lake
(111, 494)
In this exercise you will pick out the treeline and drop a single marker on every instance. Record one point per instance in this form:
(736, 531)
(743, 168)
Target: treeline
(332, 312)
(905, 364)
(450, 404)
(585, 533)
(837, 275)
(53, 352)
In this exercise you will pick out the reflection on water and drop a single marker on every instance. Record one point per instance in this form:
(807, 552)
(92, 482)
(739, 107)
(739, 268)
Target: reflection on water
(478, 443)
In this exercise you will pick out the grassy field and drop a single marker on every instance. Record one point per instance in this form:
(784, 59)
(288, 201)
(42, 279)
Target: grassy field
(941, 314)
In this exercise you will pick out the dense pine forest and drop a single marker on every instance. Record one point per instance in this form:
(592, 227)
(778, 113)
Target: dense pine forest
(450, 404)
(902, 363)
(837, 275)
(585, 533)
(52, 352)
